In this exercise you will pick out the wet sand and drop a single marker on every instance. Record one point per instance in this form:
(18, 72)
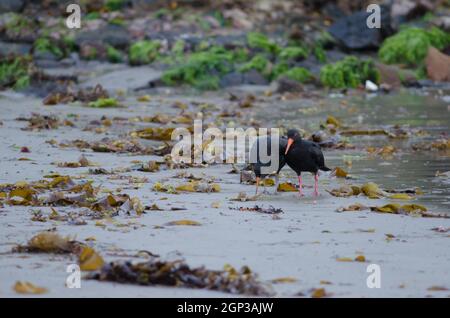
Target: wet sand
(304, 242)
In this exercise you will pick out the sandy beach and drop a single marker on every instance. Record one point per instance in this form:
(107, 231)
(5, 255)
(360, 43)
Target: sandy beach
(309, 244)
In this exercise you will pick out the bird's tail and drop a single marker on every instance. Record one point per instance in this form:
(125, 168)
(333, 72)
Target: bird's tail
(324, 168)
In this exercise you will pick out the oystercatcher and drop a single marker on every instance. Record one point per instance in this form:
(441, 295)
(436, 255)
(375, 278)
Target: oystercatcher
(302, 155)
(255, 152)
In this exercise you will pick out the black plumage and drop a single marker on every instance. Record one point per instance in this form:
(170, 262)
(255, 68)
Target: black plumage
(304, 156)
(259, 162)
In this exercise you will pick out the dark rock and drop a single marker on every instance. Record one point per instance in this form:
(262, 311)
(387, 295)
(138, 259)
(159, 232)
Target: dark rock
(11, 5)
(232, 79)
(45, 55)
(334, 56)
(168, 36)
(286, 85)
(253, 77)
(430, 84)
(55, 63)
(15, 49)
(192, 41)
(230, 41)
(311, 64)
(352, 32)
(114, 35)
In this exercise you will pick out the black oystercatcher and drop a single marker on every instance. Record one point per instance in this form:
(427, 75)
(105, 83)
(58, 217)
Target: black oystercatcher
(257, 151)
(302, 155)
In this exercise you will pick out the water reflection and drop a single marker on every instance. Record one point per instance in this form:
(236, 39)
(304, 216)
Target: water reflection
(406, 169)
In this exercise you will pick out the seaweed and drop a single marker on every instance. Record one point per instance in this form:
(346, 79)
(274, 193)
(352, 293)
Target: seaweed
(114, 5)
(18, 25)
(298, 74)
(258, 62)
(92, 15)
(293, 53)
(104, 102)
(113, 55)
(201, 69)
(178, 47)
(410, 46)
(319, 53)
(179, 274)
(15, 72)
(279, 69)
(143, 52)
(44, 45)
(258, 40)
(349, 72)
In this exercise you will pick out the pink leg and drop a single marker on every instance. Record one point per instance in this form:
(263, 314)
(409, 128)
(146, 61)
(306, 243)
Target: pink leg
(316, 185)
(300, 186)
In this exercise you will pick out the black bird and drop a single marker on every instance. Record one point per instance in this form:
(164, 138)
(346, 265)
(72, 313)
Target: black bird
(302, 155)
(257, 150)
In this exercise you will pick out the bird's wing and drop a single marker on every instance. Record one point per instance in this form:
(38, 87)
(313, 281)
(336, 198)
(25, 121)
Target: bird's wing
(317, 155)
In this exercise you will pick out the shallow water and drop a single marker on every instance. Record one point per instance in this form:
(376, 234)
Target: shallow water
(406, 168)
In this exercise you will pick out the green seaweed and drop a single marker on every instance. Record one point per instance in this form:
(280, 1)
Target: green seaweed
(114, 5)
(113, 55)
(15, 72)
(44, 45)
(438, 38)
(17, 23)
(298, 74)
(279, 69)
(258, 62)
(258, 40)
(117, 21)
(200, 69)
(293, 53)
(178, 47)
(104, 102)
(143, 52)
(410, 46)
(68, 42)
(325, 39)
(94, 15)
(349, 72)
(240, 55)
(319, 53)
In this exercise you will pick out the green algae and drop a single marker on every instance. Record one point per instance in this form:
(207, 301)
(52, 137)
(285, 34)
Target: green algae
(44, 45)
(258, 62)
(113, 55)
(293, 53)
(260, 41)
(143, 52)
(104, 102)
(349, 73)
(201, 69)
(298, 74)
(410, 46)
(15, 73)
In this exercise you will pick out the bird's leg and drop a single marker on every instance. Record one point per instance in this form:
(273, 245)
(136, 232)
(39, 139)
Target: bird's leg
(264, 186)
(277, 182)
(316, 185)
(300, 186)
(257, 185)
